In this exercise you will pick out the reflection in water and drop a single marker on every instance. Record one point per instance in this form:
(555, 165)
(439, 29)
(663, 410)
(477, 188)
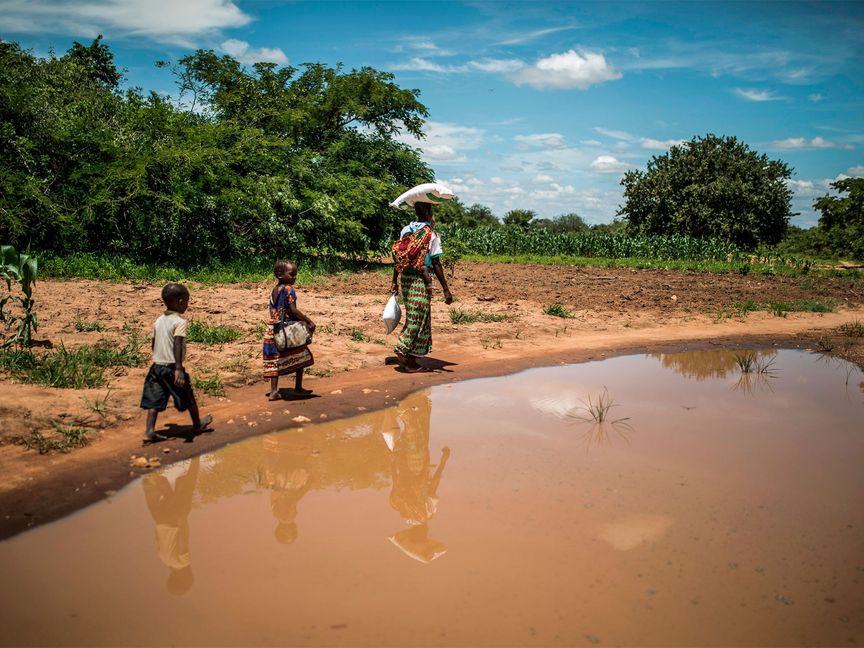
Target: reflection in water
(601, 434)
(415, 486)
(170, 508)
(286, 475)
(712, 363)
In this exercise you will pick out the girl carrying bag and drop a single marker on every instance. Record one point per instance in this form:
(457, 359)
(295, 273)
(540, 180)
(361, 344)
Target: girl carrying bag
(290, 334)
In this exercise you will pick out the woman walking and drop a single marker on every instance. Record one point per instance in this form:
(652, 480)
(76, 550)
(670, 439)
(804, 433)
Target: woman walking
(416, 253)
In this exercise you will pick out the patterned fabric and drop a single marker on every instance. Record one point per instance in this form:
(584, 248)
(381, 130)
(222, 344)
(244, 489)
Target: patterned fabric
(278, 363)
(416, 336)
(410, 250)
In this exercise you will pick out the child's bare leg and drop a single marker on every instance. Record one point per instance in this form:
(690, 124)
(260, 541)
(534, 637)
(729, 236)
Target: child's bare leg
(274, 388)
(150, 431)
(298, 383)
(197, 422)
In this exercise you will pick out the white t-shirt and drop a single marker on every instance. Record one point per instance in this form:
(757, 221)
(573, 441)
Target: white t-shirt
(168, 326)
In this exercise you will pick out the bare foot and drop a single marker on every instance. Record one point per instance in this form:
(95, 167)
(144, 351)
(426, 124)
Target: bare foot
(274, 396)
(203, 423)
(152, 437)
(301, 392)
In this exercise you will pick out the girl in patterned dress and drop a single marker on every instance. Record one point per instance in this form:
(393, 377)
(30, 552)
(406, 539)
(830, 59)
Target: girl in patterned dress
(277, 363)
(416, 336)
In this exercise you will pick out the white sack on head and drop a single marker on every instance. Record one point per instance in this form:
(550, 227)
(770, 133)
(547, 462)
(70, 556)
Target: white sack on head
(430, 192)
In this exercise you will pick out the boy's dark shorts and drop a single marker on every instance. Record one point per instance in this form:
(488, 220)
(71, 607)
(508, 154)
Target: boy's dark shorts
(159, 385)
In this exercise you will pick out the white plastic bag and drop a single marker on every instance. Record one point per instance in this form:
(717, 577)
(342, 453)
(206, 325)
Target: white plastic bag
(431, 192)
(392, 314)
(290, 335)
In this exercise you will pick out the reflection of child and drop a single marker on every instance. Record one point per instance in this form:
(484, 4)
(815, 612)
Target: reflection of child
(170, 509)
(283, 299)
(286, 476)
(167, 377)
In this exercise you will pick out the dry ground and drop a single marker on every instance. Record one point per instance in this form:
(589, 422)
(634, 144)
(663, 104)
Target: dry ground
(614, 311)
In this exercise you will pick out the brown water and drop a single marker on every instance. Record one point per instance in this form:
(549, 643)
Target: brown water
(721, 511)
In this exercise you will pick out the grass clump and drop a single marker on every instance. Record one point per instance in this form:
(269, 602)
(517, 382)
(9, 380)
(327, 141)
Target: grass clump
(596, 409)
(854, 328)
(210, 383)
(557, 310)
(63, 438)
(212, 333)
(88, 327)
(459, 316)
(78, 368)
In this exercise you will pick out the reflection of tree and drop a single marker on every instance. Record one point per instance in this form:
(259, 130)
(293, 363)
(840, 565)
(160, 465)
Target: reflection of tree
(415, 485)
(709, 363)
(170, 508)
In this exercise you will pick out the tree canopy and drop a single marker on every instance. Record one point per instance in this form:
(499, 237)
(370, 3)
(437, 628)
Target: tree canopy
(842, 219)
(710, 187)
(261, 159)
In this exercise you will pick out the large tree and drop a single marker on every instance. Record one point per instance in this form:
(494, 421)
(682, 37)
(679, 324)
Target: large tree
(520, 218)
(710, 187)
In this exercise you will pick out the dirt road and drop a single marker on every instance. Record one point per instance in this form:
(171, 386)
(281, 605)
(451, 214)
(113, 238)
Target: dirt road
(614, 311)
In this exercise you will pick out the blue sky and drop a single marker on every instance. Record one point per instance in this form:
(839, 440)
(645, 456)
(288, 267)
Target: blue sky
(535, 105)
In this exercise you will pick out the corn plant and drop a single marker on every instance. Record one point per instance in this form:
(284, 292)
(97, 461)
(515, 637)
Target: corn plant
(19, 269)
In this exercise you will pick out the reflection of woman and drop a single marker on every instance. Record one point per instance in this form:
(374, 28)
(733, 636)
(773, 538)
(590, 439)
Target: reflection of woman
(414, 263)
(286, 476)
(414, 491)
(170, 509)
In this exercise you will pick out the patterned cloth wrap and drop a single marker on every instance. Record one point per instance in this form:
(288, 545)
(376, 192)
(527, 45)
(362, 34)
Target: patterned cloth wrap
(410, 250)
(280, 363)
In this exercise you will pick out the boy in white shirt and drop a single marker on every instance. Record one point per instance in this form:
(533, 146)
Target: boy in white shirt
(167, 376)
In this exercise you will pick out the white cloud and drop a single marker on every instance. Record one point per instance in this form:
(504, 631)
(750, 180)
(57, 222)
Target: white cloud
(423, 44)
(856, 171)
(240, 50)
(659, 145)
(163, 20)
(569, 70)
(591, 143)
(555, 192)
(752, 94)
(804, 143)
(543, 179)
(615, 134)
(497, 66)
(445, 143)
(816, 97)
(418, 64)
(544, 140)
(608, 164)
(532, 35)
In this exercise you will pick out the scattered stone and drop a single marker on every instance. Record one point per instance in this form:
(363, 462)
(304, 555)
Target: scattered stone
(252, 423)
(367, 391)
(674, 298)
(301, 419)
(361, 409)
(336, 391)
(594, 639)
(230, 421)
(139, 462)
(323, 416)
(286, 411)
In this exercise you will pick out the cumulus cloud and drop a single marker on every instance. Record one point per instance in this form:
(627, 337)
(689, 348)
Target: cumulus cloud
(163, 20)
(544, 140)
(856, 171)
(566, 71)
(445, 143)
(241, 51)
(659, 145)
(608, 164)
(543, 179)
(814, 143)
(752, 94)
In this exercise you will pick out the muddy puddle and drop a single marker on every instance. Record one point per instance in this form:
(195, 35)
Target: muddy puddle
(710, 507)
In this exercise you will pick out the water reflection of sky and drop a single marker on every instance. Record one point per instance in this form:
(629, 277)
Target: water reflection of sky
(470, 513)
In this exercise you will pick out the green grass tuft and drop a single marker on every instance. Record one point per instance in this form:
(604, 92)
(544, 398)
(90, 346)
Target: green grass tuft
(557, 310)
(88, 327)
(64, 438)
(459, 316)
(212, 333)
